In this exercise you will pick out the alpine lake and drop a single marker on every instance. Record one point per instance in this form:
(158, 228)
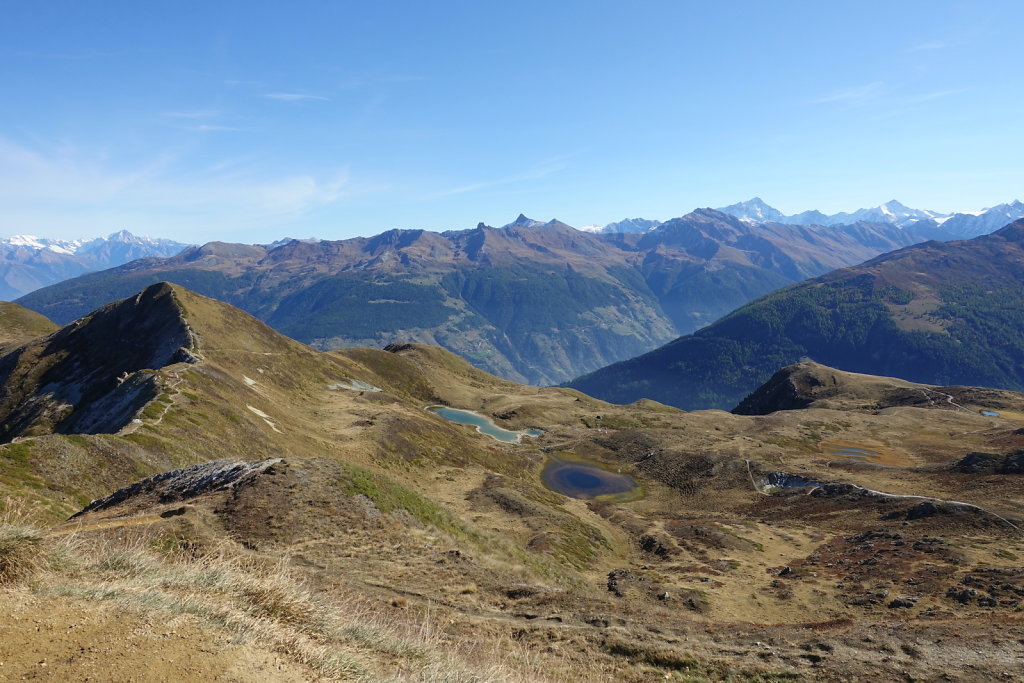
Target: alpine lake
(572, 478)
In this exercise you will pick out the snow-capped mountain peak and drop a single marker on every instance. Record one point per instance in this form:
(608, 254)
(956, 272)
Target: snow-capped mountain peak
(754, 211)
(892, 212)
(24, 241)
(43, 261)
(34, 243)
(523, 222)
(631, 225)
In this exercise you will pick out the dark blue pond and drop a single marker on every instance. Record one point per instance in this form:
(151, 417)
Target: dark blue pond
(579, 480)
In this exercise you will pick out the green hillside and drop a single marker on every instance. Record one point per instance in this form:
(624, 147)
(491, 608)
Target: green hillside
(938, 313)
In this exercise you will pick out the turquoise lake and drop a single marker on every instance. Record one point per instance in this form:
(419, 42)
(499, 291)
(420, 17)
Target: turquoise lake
(483, 424)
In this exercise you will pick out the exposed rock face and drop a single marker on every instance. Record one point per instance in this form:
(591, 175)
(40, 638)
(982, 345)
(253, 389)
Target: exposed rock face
(791, 388)
(178, 485)
(992, 463)
(94, 375)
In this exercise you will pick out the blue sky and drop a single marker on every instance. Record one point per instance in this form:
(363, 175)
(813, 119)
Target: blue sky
(250, 121)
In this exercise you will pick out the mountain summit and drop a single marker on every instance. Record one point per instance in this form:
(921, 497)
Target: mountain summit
(755, 211)
(94, 375)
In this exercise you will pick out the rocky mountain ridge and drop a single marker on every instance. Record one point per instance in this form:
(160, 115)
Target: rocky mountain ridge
(535, 302)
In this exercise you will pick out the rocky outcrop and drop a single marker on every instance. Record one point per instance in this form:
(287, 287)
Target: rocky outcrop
(991, 463)
(179, 485)
(95, 374)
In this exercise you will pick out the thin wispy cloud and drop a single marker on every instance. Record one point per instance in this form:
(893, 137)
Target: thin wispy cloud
(292, 96)
(210, 128)
(934, 95)
(927, 47)
(540, 170)
(198, 114)
(73, 189)
(854, 95)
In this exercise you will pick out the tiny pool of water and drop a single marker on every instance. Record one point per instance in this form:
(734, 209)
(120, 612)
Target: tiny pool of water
(784, 480)
(990, 413)
(483, 424)
(853, 452)
(579, 480)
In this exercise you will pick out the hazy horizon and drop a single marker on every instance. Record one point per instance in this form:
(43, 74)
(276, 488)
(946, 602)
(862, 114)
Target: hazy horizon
(250, 123)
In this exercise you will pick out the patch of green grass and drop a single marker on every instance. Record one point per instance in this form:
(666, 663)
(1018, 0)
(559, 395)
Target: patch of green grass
(153, 410)
(388, 496)
(18, 453)
(756, 545)
(144, 440)
(1004, 554)
(659, 657)
(579, 544)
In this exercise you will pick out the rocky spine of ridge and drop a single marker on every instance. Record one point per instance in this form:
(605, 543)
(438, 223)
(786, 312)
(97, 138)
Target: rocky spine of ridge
(534, 302)
(182, 484)
(95, 374)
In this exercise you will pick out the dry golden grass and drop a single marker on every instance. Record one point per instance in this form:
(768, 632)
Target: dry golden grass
(264, 604)
(23, 550)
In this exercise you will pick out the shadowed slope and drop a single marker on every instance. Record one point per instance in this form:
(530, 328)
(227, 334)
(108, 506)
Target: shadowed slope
(938, 312)
(96, 373)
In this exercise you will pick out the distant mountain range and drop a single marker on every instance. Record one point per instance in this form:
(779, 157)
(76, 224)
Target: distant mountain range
(939, 225)
(28, 263)
(532, 301)
(948, 313)
(956, 226)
